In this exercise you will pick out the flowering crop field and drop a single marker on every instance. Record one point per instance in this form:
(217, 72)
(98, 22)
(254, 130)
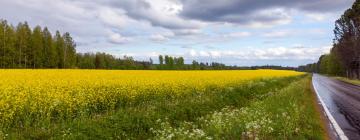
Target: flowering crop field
(123, 104)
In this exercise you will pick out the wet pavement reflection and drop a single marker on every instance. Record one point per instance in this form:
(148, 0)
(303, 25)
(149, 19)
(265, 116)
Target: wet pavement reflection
(343, 101)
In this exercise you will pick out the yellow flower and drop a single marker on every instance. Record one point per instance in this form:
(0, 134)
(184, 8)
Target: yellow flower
(65, 93)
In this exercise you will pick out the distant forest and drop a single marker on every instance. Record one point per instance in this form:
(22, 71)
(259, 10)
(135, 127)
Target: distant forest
(23, 47)
(344, 57)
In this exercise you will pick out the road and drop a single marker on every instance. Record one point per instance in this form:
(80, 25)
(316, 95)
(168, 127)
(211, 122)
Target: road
(342, 101)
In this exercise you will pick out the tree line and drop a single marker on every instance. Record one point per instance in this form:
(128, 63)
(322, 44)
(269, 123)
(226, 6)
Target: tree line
(177, 63)
(23, 47)
(102, 60)
(344, 57)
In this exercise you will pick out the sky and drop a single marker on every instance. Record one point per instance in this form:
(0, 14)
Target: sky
(234, 32)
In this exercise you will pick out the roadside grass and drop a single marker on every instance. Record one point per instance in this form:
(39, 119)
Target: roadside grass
(352, 81)
(286, 114)
(277, 108)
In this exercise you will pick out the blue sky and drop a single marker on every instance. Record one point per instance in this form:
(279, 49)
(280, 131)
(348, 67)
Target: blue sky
(234, 32)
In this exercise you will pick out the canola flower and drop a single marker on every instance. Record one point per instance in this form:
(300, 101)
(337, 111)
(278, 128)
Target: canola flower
(47, 95)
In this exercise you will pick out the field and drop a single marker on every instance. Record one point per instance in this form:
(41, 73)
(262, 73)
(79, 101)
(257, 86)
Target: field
(104, 104)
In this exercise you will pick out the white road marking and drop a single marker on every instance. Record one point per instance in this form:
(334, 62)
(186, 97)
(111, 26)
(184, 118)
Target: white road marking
(335, 125)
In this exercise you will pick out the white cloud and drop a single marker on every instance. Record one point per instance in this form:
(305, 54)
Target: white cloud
(113, 17)
(276, 53)
(277, 34)
(117, 38)
(270, 17)
(187, 32)
(318, 16)
(193, 53)
(142, 55)
(162, 36)
(215, 53)
(204, 54)
(291, 56)
(258, 13)
(158, 38)
(237, 35)
(160, 13)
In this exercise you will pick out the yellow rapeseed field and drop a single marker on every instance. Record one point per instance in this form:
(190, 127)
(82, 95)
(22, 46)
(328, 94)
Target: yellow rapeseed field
(49, 94)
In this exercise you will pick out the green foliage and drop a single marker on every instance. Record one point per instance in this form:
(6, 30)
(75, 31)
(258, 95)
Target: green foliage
(161, 60)
(23, 40)
(327, 64)
(60, 49)
(37, 47)
(107, 61)
(334, 66)
(285, 114)
(69, 51)
(22, 47)
(171, 63)
(7, 43)
(50, 54)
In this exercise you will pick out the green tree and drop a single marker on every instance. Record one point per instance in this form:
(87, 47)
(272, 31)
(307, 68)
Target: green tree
(69, 51)
(9, 50)
(180, 63)
(23, 41)
(49, 50)
(99, 61)
(3, 26)
(195, 65)
(161, 60)
(60, 49)
(171, 63)
(347, 40)
(324, 64)
(167, 62)
(334, 67)
(86, 61)
(37, 46)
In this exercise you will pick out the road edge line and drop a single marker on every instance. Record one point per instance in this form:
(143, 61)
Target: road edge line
(335, 125)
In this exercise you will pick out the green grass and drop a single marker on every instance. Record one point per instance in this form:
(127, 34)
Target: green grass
(352, 81)
(278, 108)
(286, 114)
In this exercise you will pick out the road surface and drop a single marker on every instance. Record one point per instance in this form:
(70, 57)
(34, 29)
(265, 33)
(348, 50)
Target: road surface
(342, 101)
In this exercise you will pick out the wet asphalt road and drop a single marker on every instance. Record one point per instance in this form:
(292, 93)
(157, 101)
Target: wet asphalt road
(343, 101)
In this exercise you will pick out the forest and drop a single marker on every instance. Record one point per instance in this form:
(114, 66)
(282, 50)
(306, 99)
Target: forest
(22, 47)
(344, 57)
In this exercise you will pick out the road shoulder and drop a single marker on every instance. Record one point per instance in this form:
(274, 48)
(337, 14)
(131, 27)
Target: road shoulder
(330, 133)
(348, 81)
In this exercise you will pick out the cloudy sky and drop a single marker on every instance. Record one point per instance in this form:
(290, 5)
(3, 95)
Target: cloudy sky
(234, 32)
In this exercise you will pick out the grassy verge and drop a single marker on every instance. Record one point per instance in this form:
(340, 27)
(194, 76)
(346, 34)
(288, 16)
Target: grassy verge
(267, 108)
(355, 82)
(287, 114)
